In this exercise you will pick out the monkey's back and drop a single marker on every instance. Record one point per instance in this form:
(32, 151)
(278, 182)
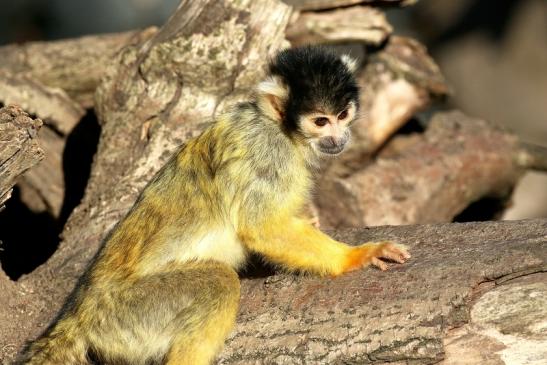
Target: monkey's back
(213, 188)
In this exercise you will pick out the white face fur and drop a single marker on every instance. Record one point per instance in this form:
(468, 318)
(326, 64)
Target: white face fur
(328, 133)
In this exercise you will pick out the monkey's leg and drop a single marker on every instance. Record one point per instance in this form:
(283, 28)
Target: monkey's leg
(181, 314)
(296, 244)
(209, 319)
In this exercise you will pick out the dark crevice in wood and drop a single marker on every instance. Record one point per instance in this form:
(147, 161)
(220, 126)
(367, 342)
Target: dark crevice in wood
(28, 238)
(485, 209)
(81, 145)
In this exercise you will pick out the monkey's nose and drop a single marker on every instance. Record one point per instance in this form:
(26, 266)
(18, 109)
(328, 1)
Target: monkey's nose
(331, 142)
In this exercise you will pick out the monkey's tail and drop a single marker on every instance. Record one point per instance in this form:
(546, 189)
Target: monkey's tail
(61, 345)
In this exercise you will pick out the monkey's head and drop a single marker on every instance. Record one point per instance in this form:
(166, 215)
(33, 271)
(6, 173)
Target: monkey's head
(313, 93)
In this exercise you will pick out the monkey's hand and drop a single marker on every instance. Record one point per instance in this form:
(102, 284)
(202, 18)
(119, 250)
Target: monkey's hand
(371, 253)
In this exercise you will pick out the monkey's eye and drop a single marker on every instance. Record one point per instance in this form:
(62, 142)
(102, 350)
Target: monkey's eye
(321, 122)
(343, 114)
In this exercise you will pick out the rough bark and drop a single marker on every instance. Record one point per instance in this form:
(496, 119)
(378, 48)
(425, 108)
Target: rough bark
(56, 81)
(356, 24)
(431, 179)
(52, 105)
(403, 315)
(73, 65)
(506, 325)
(331, 4)
(19, 150)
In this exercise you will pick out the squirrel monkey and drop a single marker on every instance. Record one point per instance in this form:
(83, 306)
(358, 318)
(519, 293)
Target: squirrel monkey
(164, 286)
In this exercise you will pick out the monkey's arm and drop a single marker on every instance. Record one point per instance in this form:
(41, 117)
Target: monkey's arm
(296, 244)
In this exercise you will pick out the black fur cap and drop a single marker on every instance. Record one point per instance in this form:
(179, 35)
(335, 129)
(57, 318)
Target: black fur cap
(317, 79)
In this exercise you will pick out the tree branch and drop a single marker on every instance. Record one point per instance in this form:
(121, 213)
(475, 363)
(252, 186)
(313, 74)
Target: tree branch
(307, 5)
(73, 65)
(356, 24)
(532, 157)
(19, 150)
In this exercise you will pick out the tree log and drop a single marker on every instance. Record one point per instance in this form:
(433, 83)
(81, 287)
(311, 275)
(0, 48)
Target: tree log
(412, 313)
(306, 5)
(19, 150)
(52, 105)
(73, 65)
(456, 162)
(356, 24)
(397, 82)
(404, 315)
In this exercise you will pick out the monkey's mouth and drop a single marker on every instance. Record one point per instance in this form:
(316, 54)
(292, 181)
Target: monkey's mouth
(333, 151)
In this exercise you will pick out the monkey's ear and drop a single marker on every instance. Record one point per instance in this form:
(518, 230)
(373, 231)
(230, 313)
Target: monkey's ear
(351, 63)
(272, 96)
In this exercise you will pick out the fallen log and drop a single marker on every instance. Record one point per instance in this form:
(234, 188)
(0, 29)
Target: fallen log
(410, 313)
(457, 161)
(361, 24)
(73, 65)
(52, 105)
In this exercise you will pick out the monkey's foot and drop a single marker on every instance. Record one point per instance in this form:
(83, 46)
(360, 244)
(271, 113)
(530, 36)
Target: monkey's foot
(373, 252)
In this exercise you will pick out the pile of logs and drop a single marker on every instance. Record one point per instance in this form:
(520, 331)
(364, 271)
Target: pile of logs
(153, 89)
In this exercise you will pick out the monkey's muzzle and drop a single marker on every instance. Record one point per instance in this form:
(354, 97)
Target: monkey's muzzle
(331, 145)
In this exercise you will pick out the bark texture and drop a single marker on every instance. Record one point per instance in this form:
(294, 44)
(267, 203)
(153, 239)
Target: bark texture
(432, 178)
(403, 315)
(506, 326)
(74, 65)
(52, 105)
(356, 24)
(19, 150)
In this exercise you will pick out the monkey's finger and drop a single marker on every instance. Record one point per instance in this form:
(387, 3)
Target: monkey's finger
(394, 256)
(399, 250)
(379, 263)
